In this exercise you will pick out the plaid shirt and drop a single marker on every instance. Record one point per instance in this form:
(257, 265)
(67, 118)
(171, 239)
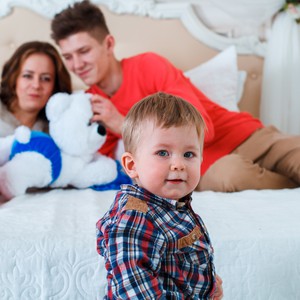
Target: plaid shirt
(155, 248)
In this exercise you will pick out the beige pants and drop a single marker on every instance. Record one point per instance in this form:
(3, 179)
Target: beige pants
(268, 159)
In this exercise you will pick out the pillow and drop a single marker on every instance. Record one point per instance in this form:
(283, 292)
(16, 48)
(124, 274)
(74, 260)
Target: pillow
(219, 79)
(242, 76)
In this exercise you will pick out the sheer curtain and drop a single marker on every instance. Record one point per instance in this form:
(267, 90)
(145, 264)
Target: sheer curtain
(280, 103)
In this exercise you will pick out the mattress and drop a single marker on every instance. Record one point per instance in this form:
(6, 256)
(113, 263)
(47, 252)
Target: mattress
(48, 243)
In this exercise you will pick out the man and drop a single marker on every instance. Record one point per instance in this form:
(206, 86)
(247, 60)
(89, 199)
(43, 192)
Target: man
(239, 152)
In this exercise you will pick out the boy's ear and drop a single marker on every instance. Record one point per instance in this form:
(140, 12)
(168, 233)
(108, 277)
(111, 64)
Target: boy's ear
(129, 165)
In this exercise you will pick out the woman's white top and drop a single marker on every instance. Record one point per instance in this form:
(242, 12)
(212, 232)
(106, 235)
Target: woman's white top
(8, 122)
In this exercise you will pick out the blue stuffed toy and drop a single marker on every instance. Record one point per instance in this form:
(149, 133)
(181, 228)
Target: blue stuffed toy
(66, 157)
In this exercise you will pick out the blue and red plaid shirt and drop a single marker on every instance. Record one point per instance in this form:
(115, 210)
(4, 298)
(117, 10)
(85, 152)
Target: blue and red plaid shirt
(155, 248)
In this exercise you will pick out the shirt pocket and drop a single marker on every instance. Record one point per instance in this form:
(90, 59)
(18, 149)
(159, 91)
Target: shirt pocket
(193, 249)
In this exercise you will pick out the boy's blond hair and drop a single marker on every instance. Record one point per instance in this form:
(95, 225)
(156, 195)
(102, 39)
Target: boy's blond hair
(165, 111)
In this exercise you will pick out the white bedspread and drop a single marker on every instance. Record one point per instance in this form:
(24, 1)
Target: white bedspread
(48, 244)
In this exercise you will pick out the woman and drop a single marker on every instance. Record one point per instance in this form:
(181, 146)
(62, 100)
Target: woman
(34, 72)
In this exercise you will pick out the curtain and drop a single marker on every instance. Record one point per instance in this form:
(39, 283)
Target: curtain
(280, 103)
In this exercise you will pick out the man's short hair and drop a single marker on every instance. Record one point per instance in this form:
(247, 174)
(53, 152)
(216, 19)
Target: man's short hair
(80, 17)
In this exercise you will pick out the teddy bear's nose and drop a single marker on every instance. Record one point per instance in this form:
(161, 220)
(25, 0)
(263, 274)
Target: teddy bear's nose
(101, 129)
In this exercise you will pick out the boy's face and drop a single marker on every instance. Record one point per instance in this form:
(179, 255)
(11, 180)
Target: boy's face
(167, 161)
(86, 57)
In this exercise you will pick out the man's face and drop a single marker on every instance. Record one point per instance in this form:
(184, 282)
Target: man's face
(86, 57)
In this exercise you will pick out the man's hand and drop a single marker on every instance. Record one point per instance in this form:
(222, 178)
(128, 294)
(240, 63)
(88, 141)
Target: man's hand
(105, 112)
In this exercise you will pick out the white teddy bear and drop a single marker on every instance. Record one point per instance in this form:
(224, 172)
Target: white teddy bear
(67, 157)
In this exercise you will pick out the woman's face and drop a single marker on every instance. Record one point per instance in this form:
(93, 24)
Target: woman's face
(35, 83)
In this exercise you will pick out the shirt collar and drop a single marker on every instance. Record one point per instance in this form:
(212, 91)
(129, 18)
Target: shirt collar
(143, 194)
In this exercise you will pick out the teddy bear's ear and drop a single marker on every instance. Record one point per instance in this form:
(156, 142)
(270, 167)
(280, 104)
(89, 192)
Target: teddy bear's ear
(56, 105)
(22, 134)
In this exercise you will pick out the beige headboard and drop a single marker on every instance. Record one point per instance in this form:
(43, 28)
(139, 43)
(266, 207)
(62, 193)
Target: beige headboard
(134, 34)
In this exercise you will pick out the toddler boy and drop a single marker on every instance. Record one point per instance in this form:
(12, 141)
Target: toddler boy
(154, 245)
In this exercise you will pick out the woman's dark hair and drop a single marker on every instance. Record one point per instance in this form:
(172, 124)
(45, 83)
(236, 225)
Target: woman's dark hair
(12, 69)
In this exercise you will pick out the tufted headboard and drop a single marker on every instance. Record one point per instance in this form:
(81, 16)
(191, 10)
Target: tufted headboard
(133, 33)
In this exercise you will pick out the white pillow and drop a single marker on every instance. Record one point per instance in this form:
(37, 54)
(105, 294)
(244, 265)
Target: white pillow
(242, 76)
(219, 79)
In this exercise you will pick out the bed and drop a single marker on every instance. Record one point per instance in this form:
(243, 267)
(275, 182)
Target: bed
(47, 237)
